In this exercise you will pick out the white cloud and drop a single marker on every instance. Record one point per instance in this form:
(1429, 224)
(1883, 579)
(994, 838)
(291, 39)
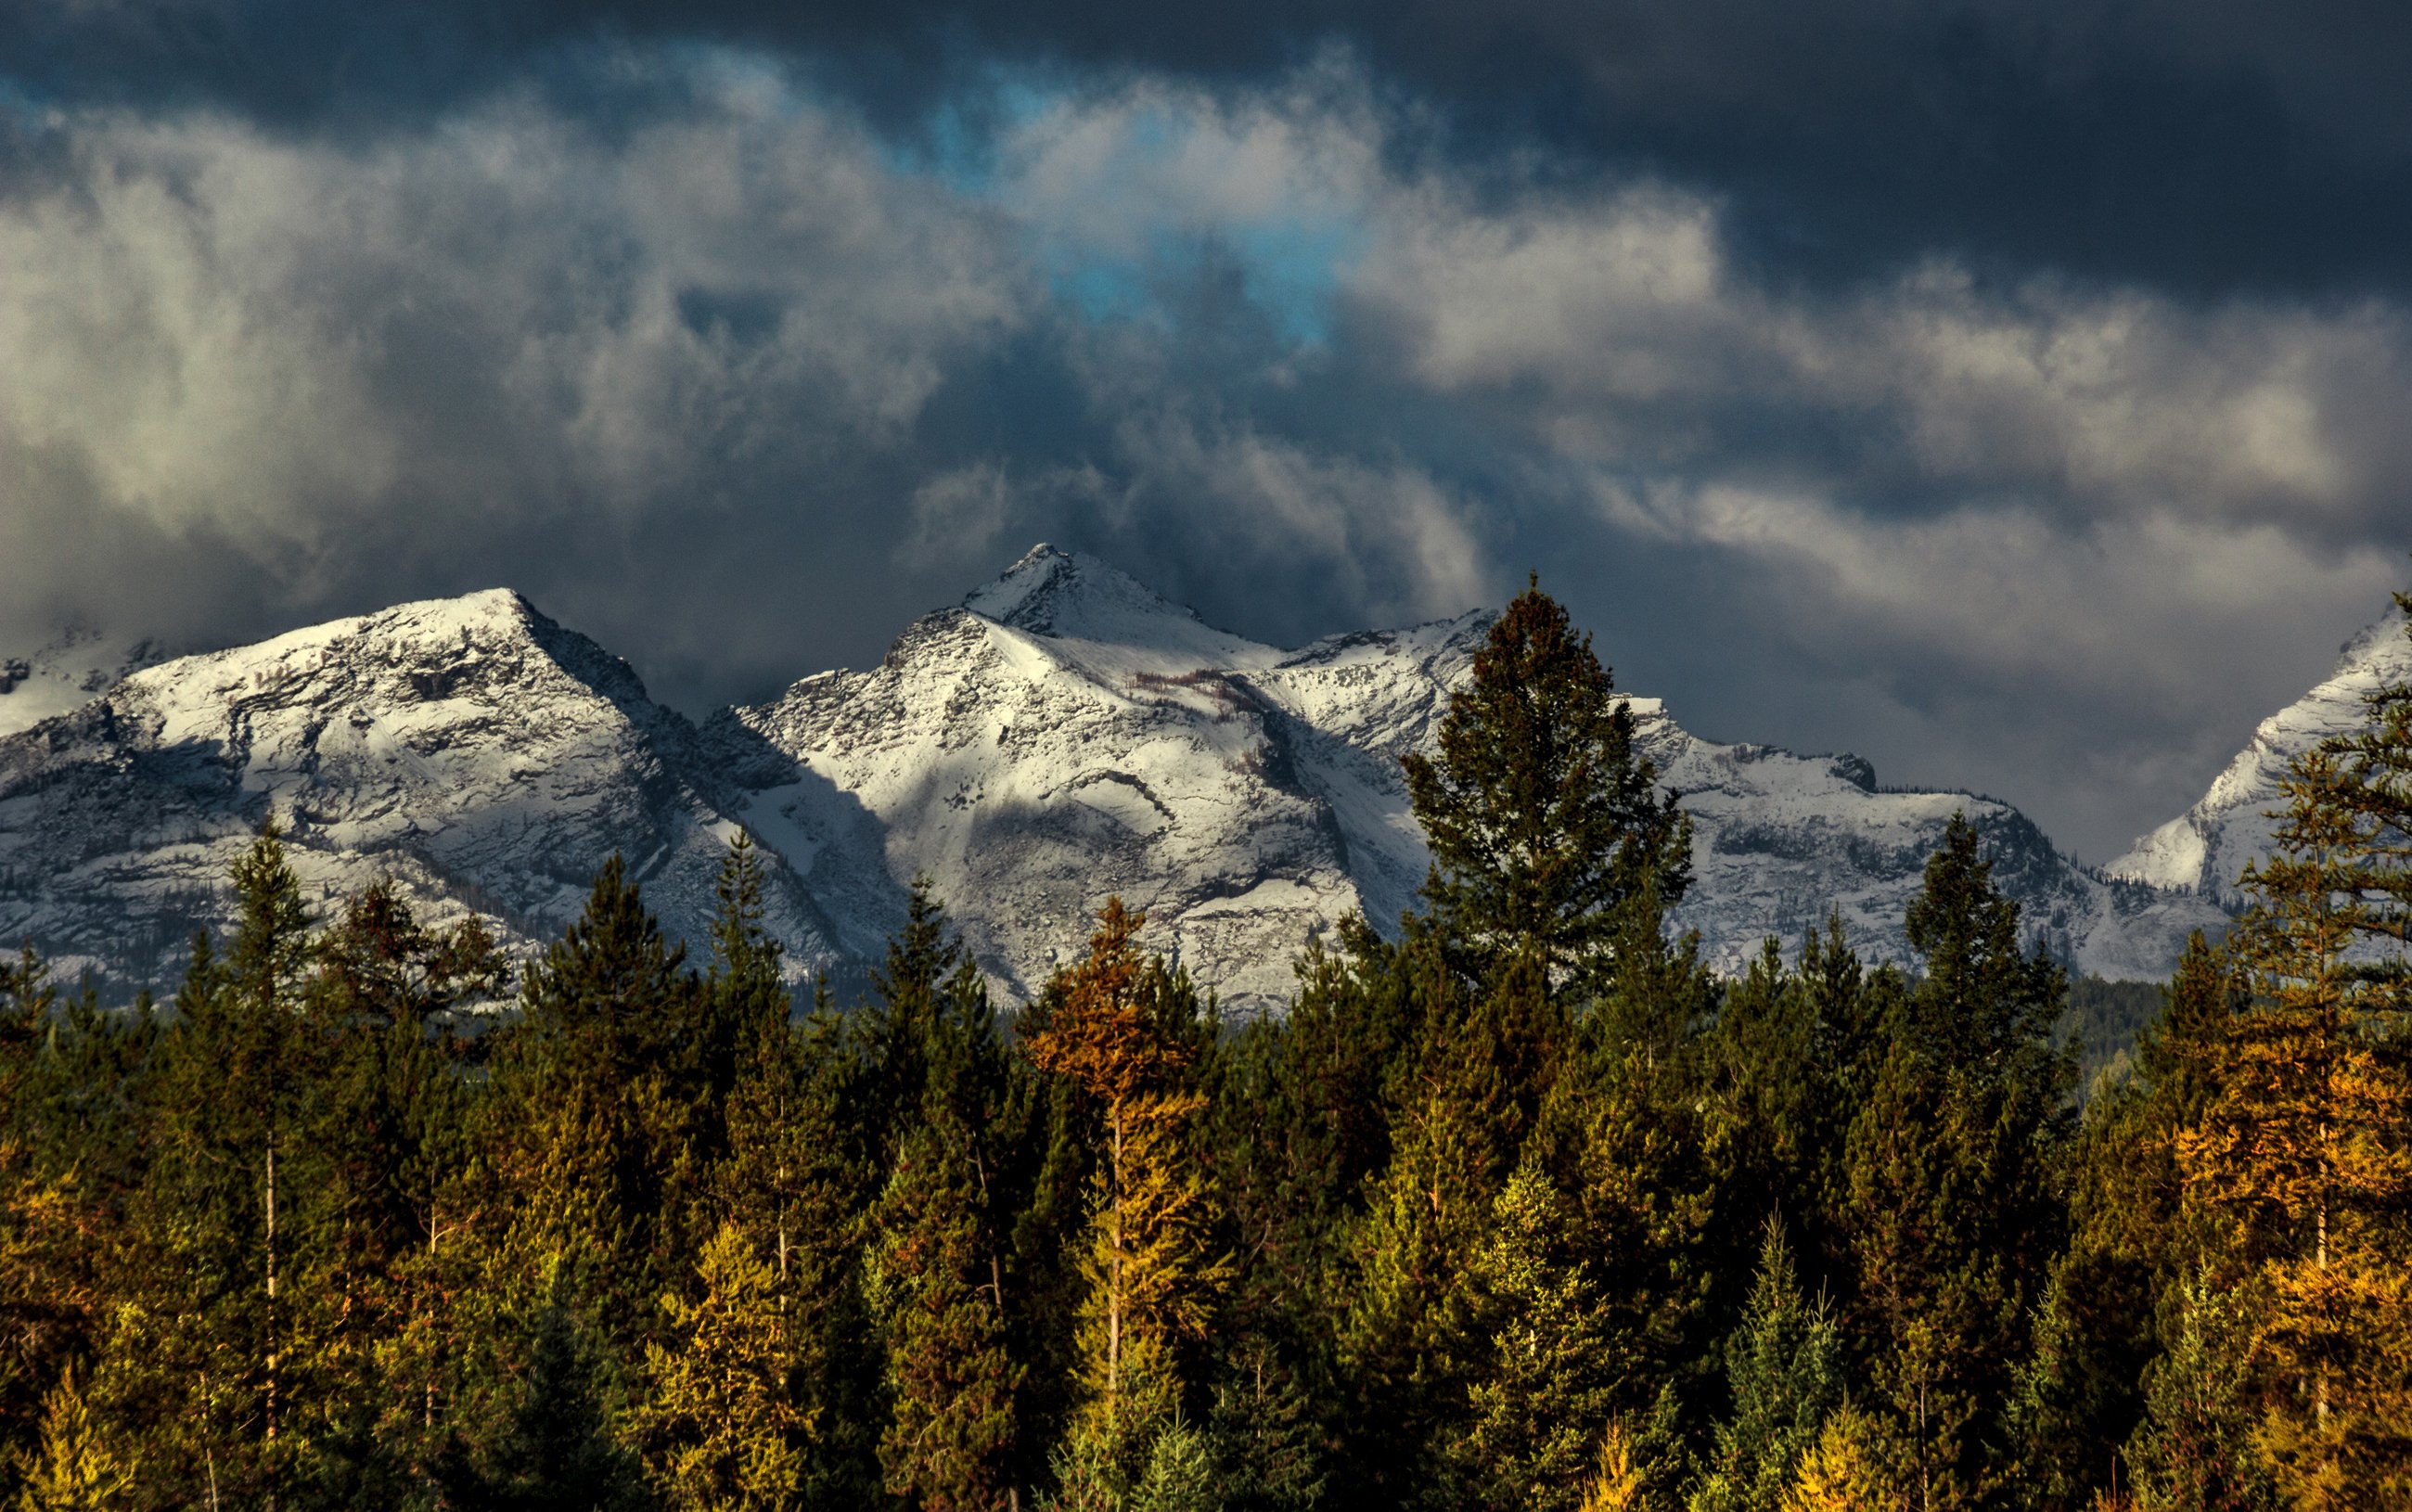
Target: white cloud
(272, 339)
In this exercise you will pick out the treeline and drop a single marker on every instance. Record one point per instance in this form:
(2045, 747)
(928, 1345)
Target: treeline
(1525, 1209)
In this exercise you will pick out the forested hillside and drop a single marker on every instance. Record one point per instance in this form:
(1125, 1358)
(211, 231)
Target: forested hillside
(1523, 1209)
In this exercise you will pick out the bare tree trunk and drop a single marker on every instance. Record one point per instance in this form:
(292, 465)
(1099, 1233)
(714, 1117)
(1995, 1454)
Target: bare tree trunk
(1114, 1272)
(271, 1416)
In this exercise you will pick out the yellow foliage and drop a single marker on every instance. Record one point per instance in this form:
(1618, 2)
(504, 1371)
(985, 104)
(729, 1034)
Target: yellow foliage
(722, 1412)
(2305, 1151)
(1849, 1471)
(73, 1471)
(1616, 1485)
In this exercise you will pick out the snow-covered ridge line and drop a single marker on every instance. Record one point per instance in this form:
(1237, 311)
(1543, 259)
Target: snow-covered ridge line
(1064, 734)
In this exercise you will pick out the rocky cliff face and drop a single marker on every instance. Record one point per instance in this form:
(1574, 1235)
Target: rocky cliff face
(1062, 736)
(2205, 849)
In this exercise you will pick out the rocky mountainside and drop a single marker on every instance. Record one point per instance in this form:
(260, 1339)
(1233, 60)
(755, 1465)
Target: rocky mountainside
(1063, 735)
(2205, 849)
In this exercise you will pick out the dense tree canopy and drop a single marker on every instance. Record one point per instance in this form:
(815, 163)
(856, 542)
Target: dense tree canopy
(1520, 1207)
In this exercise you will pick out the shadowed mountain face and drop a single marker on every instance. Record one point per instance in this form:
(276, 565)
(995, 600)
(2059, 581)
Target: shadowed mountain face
(1064, 734)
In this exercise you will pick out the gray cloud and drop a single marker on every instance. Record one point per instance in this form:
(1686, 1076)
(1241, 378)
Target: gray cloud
(735, 383)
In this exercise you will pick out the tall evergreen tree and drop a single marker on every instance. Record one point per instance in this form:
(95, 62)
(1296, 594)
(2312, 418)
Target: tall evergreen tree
(600, 1117)
(942, 1224)
(1542, 819)
(1950, 1204)
(1548, 1386)
(228, 1339)
(1784, 1367)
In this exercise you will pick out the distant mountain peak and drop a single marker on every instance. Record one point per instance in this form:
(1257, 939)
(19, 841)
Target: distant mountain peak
(1071, 595)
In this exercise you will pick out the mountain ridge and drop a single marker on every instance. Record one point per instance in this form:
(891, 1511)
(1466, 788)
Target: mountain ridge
(1062, 733)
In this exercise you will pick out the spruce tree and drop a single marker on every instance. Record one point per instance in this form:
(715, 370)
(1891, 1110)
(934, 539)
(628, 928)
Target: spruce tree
(1785, 1370)
(1549, 1382)
(1410, 1340)
(941, 1224)
(1949, 1204)
(1542, 819)
(601, 1122)
(555, 1447)
(2111, 1301)
(228, 1339)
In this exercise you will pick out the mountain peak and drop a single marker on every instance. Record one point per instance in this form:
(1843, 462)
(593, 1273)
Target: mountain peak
(1073, 595)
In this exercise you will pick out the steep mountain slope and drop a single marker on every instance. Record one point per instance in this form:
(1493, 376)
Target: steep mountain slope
(2206, 848)
(469, 748)
(1781, 840)
(1067, 735)
(66, 673)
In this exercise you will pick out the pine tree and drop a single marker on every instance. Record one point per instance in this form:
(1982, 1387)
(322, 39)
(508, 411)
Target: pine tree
(390, 1123)
(1182, 1474)
(1549, 1384)
(555, 1447)
(1541, 819)
(600, 1121)
(1784, 1367)
(1410, 1340)
(1266, 1437)
(227, 1336)
(951, 1435)
(1949, 1202)
(2194, 1451)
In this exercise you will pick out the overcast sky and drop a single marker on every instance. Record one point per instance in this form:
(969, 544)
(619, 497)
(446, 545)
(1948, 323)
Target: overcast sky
(2019, 395)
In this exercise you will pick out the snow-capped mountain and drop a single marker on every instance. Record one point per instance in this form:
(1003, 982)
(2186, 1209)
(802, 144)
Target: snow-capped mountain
(471, 749)
(1064, 734)
(2207, 849)
(1780, 839)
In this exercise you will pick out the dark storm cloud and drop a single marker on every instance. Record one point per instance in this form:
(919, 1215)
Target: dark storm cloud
(2213, 146)
(738, 341)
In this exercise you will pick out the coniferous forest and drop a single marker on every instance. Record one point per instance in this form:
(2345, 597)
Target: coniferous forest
(1518, 1207)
